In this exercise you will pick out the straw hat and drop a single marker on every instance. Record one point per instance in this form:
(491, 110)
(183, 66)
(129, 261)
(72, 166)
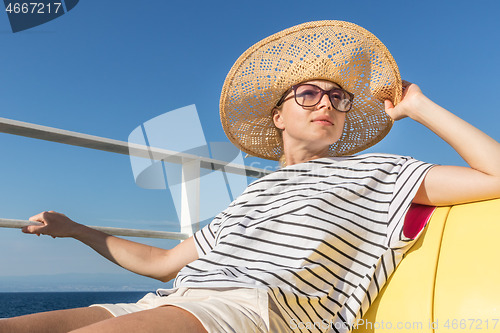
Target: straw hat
(338, 51)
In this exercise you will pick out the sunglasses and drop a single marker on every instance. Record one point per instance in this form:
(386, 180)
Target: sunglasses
(307, 95)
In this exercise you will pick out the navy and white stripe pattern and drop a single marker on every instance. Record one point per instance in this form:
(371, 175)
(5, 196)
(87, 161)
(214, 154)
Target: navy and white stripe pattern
(321, 236)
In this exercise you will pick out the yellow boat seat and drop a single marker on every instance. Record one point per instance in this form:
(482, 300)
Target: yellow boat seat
(449, 281)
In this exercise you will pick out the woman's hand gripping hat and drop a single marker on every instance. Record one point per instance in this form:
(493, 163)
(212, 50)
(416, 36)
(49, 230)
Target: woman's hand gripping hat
(338, 51)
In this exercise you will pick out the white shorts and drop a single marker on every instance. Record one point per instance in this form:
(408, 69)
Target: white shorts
(219, 310)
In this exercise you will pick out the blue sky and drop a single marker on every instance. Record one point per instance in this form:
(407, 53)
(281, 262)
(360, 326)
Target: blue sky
(106, 67)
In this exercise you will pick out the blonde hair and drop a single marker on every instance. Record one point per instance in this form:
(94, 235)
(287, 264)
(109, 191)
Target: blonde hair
(282, 161)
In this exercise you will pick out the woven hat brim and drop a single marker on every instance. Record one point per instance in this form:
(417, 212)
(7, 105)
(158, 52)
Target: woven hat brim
(338, 51)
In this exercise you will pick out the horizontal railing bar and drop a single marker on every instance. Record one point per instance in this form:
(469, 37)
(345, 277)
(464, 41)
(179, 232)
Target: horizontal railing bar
(121, 147)
(18, 224)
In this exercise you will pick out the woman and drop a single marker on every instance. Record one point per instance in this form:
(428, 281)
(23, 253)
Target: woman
(313, 243)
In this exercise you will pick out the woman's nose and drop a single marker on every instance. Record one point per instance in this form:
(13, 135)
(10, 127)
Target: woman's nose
(325, 102)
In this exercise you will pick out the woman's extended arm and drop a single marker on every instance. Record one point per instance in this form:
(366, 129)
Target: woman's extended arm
(139, 258)
(447, 185)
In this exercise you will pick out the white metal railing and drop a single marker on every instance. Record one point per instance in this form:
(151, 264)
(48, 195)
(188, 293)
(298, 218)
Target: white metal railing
(9, 223)
(191, 165)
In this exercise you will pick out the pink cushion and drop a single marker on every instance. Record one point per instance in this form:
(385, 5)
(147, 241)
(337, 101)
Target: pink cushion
(416, 219)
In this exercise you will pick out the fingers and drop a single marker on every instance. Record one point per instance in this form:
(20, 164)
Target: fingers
(395, 112)
(51, 223)
(36, 218)
(406, 83)
(44, 216)
(388, 106)
(33, 229)
(39, 229)
(409, 86)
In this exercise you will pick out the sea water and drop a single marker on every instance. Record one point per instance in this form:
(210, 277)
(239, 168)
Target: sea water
(21, 303)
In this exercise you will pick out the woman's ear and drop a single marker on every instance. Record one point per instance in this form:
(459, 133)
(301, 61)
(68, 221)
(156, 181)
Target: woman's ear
(278, 119)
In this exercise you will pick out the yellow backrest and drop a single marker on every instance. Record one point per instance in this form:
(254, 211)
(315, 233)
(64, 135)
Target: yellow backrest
(449, 281)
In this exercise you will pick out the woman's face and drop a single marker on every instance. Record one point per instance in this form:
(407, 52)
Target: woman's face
(315, 127)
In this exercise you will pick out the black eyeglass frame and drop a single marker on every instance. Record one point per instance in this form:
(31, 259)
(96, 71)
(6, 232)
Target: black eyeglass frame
(323, 92)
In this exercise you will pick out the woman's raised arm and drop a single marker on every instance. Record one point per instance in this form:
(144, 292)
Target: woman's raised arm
(154, 262)
(448, 185)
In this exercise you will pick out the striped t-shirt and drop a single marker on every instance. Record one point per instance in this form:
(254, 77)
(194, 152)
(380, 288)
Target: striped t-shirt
(322, 237)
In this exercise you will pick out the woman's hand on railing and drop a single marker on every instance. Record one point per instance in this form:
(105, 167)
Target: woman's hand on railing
(53, 224)
(157, 263)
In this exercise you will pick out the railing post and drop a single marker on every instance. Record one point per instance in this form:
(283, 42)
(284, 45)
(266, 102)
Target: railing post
(190, 196)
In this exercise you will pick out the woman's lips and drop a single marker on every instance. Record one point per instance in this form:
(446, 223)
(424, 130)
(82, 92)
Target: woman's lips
(323, 121)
